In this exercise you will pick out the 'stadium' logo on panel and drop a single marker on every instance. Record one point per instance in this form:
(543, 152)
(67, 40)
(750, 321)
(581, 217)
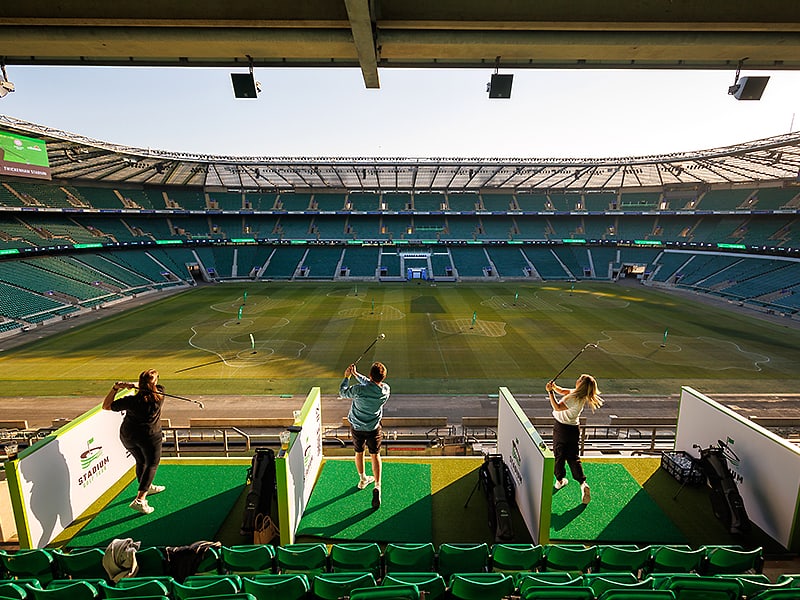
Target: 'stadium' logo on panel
(93, 462)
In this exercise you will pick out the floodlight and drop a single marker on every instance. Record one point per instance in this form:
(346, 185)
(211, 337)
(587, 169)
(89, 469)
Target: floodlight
(244, 84)
(500, 85)
(747, 88)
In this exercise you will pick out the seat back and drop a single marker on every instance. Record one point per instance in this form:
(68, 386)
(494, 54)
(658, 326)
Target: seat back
(516, 557)
(150, 561)
(575, 559)
(412, 558)
(332, 586)
(80, 564)
(302, 558)
(285, 586)
(668, 559)
(76, 590)
(356, 557)
(147, 587)
(462, 558)
(481, 586)
(705, 588)
(432, 584)
(195, 588)
(257, 558)
(37, 563)
(622, 558)
(723, 559)
(387, 592)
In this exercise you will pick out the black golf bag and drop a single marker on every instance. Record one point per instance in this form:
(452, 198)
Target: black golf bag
(726, 502)
(261, 479)
(495, 480)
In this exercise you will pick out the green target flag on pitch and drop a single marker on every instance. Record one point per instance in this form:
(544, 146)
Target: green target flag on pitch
(666, 331)
(244, 297)
(241, 308)
(474, 318)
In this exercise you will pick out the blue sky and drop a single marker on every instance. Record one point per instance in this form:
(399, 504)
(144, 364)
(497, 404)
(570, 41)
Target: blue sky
(416, 113)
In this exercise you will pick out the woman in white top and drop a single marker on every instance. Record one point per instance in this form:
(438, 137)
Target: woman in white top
(566, 429)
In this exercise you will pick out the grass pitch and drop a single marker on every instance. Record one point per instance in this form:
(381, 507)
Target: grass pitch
(440, 339)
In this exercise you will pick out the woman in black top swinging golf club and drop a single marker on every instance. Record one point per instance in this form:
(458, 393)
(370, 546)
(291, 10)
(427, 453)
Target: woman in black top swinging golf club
(140, 431)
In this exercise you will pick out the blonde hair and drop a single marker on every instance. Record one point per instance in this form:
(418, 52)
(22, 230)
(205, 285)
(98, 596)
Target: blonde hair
(586, 391)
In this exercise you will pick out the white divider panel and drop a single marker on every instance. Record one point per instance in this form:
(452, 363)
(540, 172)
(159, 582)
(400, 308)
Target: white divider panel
(769, 466)
(530, 462)
(56, 480)
(297, 468)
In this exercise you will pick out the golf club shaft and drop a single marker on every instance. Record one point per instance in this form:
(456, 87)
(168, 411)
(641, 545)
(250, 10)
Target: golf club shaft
(574, 358)
(200, 404)
(375, 341)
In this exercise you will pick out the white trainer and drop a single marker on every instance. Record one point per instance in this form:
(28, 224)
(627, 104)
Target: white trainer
(141, 506)
(560, 483)
(155, 489)
(365, 482)
(586, 493)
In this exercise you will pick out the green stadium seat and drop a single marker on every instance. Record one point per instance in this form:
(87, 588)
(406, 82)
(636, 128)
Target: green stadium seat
(211, 562)
(673, 559)
(574, 592)
(755, 583)
(601, 582)
(355, 557)
(302, 558)
(74, 590)
(11, 591)
(516, 557)
(723, 559)
(80, 564)
(256, 558)
(637, 595)
(332, 586)
(782, 594)
(481, 586)
(285, 586)
(164, 580)
(622, 558)
(462, 558)
(409, 557)
(387, 592)
(704, 588)
(195, 588)
(574, 559)
(547, 580)
(37, 564)
(149, 587)
(432, 584)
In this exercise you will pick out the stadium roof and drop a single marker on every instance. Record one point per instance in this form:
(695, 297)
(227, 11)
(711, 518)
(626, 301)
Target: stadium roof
(768, 162)
(373, 34)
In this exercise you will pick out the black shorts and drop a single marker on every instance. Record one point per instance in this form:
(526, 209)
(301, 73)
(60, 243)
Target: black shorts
(372, 439)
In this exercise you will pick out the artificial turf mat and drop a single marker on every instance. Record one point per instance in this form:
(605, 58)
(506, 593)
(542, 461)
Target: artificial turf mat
(197, 500)
(620, 510)
(338, 510)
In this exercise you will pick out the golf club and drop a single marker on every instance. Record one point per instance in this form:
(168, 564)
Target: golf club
(574, 358)
(200, 404)
(375, 341)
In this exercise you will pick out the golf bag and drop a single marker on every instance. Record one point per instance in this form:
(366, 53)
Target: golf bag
(261, 479)
(726, 502)
(495, 480)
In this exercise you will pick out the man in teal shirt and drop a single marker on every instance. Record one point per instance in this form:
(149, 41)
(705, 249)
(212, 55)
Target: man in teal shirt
(368, 394)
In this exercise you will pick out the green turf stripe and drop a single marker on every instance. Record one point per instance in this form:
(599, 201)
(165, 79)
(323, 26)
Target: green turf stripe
(620, 510)
(337, 509)
(197, 500)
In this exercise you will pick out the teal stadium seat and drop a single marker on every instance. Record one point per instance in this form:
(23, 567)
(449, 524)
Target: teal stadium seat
(150, 561)
(198, 589)
(12, 591)
(558, 593)
(148, 587)
(675, 559)
(637, 595)
(75, 590)
(705, 588)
